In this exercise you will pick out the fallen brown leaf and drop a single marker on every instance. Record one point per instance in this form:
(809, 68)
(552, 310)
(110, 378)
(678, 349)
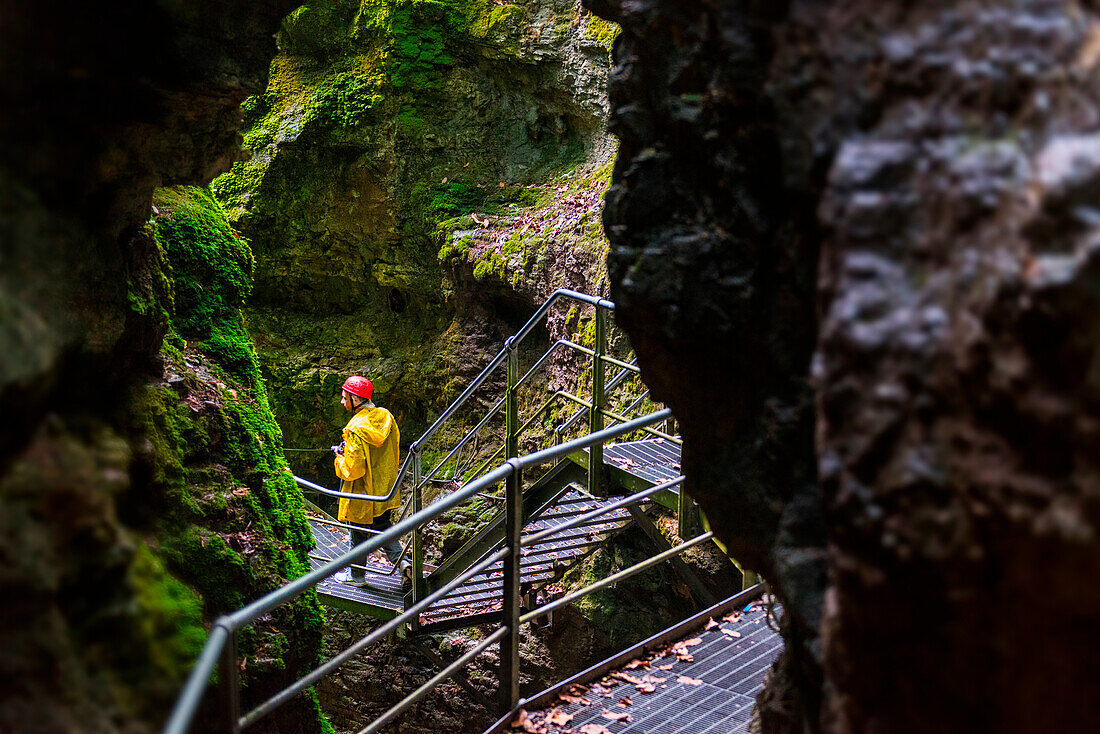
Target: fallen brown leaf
(627, 677)
(711, 624)
(616, 715)
(667, 667)
(731, 633)
(574, 699)
(689, 681)
(523, 722)
(636, 664)
(625, 701)
(594, 729)
(558, 717)
(646, 687)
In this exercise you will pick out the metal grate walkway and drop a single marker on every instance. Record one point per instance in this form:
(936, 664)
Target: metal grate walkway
(382, 599)
(705, 683)
(541, 564)
(653, 459)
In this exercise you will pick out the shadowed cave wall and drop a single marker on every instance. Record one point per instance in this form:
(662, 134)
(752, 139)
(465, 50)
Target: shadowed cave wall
(855, 246)
(125, 481)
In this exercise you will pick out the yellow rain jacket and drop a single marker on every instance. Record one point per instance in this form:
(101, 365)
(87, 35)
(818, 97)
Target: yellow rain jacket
(369, 464)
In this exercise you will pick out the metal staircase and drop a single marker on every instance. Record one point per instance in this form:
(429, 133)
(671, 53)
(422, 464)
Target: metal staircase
(568, 488)
(504, 574)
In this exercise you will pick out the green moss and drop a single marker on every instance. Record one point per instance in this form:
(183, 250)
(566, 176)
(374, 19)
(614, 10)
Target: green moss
(317, 28)
(500, 25)
(453, 199)
(603, 32)
(211, 265)
(456, 250)
(347, 99)
(168, 615)
(228, 515)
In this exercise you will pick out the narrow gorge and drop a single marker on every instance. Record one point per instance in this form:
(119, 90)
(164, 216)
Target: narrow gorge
(851, 245)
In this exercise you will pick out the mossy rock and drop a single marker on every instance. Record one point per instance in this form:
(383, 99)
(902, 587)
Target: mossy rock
(226, 516)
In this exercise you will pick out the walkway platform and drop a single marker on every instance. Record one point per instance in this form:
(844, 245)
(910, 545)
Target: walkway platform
(382, 599)
(703, 683)
(638, 465)
(480, 597)
(633, 466)
(652, 460)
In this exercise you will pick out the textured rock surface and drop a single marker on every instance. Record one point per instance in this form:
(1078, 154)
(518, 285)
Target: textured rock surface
(942, 159)
(101, 107)
(712, 265)
(384, 127)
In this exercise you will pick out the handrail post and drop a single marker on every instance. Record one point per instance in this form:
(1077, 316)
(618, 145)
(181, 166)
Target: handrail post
(417, 536)
(595, 416)
(228, 683)
(511, 401)
(510, 613)
(687, 515)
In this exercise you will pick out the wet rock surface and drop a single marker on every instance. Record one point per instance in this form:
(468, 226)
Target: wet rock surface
(920, 182)
(102, 105)
(410, 197)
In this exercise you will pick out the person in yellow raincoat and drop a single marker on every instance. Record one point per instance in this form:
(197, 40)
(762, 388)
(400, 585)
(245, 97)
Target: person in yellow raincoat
(367, 463)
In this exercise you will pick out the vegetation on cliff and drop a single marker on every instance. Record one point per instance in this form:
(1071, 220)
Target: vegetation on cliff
(384, 127)
(222, 512)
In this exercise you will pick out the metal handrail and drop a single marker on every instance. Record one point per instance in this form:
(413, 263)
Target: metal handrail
(477, 382)
(534, 538)
(492, 411)
(615, 416)
(611, 385)
(226, 626)
(221, 645)
(340, 658)
(441, 676)
(512, 341)
(349, 495)
(626, 369)
(615, 578)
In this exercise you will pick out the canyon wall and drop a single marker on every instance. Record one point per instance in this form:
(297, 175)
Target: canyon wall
(422, 175)
(854, 245)
(142, 488)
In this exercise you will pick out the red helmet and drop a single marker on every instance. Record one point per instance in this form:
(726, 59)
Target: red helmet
(360, 386)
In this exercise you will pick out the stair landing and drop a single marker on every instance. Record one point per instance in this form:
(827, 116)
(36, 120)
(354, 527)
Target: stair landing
(541, 565)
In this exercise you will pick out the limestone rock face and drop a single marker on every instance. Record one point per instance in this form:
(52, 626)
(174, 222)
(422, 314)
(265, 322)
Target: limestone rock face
(383, 128)
(101, 106)
(920, 182)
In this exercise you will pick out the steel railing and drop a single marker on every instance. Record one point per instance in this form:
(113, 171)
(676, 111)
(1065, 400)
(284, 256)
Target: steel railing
(508, 355)
(220, 649)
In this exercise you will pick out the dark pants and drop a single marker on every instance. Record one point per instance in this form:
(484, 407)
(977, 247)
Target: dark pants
(381, 522)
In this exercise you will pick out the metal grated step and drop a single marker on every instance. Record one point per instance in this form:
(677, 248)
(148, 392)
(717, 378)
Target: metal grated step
(722, 677)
